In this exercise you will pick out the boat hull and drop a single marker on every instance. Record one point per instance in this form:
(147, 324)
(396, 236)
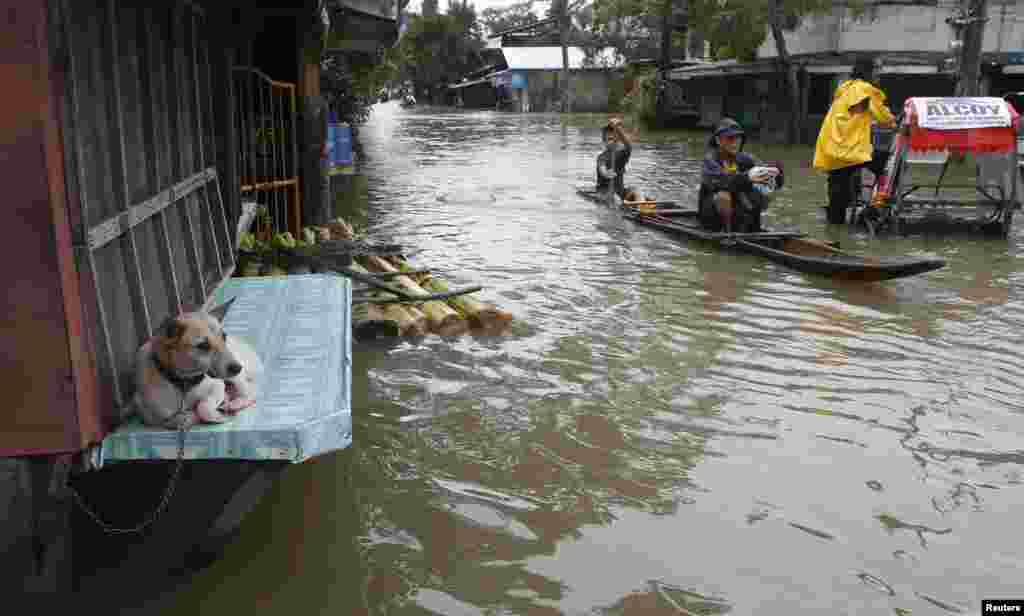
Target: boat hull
(796, 252)
(789, 248)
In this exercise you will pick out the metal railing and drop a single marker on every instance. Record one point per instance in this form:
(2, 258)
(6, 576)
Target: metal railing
(268, 153)
(148, 219)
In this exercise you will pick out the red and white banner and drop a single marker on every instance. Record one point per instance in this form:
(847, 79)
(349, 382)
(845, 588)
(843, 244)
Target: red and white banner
(962, 113)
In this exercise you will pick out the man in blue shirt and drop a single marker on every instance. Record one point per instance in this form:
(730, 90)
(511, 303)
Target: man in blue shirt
(733, 183)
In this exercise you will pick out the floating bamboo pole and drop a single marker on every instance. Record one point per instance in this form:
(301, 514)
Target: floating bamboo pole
(484, 317)
(410, 322)
(369, 322)
(443, 319)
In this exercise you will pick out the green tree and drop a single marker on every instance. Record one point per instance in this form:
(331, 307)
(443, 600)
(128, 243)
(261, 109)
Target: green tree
(352, 82)
(512, 16)
(440, 49)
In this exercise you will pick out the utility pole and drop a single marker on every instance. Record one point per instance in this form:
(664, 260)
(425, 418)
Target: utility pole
(563, 32)
(971, 24)
(666, 35)
(674, 18)
(775, 16)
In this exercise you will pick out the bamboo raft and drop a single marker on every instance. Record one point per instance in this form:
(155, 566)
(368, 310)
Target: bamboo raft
(391, 299)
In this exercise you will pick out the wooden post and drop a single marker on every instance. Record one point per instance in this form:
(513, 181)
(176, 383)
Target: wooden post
(563, 36)
(315, 184)
(805, 96)
(788, 69)
(976, 14)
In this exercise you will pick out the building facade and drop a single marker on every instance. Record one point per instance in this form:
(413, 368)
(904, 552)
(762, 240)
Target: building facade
(913, 39)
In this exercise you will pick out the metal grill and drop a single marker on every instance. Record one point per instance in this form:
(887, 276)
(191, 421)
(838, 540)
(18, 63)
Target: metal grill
(268, 153)
(150, 227)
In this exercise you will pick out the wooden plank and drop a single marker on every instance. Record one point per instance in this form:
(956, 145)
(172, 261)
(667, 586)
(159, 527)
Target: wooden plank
(86, 257)
(244, 136)
(178, 120)
(281, 154)
(118, 168)
(116, 226)
(155, 160)
(269, 185)
(94, 402)
(219, 71)
(199, 143)
(294, 172)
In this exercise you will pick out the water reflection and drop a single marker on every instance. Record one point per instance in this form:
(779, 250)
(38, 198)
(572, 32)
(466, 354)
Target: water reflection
(669, 429)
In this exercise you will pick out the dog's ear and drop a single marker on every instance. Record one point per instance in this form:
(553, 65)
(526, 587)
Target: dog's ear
(221, 311)
(171, 328)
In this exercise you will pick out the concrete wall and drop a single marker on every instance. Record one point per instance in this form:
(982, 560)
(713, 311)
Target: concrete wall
(591, 89)
(899, 28)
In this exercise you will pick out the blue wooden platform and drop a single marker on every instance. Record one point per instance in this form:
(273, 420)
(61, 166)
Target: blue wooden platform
(301, 328)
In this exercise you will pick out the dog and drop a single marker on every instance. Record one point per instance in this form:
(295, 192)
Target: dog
(191, 371)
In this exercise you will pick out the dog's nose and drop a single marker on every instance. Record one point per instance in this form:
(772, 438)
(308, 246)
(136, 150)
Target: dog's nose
(234, 368)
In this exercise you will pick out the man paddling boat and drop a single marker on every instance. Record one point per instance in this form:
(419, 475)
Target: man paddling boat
(611, 163)
(734, 186)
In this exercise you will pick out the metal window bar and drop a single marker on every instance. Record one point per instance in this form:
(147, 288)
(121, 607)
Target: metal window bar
(221, 220)
(79, 185)
(118, 165)
(268, 151)
(162, 91)
(157, 157)
(178, 123)
(199, 145)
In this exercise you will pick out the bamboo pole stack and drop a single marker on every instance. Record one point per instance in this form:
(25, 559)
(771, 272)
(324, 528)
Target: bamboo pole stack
(376, 316)
(483, 318)
(443, 319)
(381, 319)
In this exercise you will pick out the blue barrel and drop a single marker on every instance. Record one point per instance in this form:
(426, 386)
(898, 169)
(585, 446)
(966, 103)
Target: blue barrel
(340, 138)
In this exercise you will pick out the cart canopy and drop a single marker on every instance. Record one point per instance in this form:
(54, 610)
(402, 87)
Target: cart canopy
(979, 125)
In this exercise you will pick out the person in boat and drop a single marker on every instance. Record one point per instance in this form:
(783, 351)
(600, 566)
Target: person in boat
(611, 163)
(844, 144)
(734, 186)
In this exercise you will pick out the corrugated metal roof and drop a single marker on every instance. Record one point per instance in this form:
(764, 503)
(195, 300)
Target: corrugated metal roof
(550, 58)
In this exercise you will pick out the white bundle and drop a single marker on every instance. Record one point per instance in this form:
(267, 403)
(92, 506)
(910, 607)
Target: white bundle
(769, 186)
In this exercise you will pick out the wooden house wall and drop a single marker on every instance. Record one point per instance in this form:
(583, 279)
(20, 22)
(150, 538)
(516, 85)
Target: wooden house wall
(140, 97)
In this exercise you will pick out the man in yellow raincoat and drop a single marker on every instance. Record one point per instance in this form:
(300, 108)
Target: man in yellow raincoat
(844, 144)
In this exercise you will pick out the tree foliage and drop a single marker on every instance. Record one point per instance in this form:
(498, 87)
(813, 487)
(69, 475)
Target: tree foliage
(734, 28)
(351, 83)
(518, 14)
(440, 49)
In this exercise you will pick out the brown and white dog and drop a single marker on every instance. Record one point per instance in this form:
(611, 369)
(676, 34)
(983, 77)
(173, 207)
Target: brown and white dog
(191, 371)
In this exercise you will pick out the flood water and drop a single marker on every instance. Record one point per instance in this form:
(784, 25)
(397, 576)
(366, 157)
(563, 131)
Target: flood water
(668, 429)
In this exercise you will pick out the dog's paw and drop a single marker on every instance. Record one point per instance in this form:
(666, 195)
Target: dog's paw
(208, 413)
(232, 407)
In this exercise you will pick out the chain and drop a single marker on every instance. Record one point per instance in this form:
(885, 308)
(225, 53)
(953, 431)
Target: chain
(183, 427)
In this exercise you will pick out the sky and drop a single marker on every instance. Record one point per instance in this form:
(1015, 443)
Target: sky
(442, 5)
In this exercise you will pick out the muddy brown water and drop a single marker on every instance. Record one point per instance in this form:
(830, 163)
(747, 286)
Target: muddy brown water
(668, 429)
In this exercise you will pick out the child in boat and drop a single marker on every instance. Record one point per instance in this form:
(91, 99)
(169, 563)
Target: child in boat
(611, 163)
(734, 187)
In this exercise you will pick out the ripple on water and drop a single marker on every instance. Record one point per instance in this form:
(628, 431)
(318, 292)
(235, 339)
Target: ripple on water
(670, 428)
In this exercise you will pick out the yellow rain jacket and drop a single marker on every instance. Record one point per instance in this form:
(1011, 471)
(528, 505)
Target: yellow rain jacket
(845, 138)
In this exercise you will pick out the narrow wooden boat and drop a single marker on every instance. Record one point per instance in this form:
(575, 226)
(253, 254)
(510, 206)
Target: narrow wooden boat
(790, 248)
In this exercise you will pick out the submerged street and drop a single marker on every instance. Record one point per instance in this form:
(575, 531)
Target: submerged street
(668, 429)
